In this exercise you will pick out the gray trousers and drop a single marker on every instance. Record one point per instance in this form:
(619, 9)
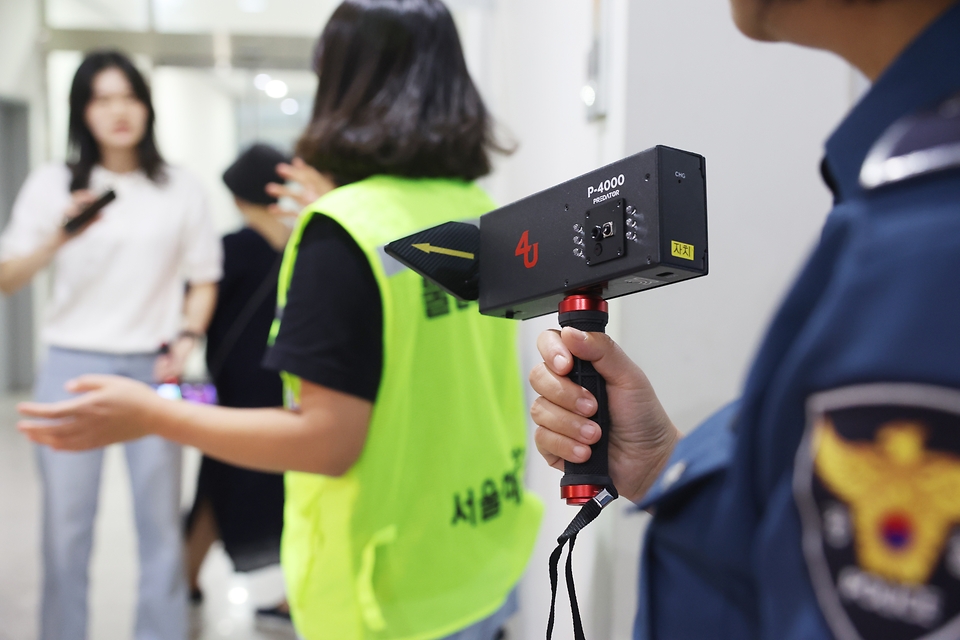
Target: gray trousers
(71, 483)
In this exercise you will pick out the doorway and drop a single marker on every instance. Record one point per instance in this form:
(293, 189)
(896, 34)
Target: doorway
(16, 311)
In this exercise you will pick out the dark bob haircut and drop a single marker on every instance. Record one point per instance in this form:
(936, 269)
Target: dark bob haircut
(84, 150)
(395, 97)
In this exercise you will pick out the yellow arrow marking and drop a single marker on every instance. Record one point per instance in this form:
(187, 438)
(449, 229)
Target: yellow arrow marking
(426, 247)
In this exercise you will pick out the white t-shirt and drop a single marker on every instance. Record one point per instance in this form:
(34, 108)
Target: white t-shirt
(118, 287)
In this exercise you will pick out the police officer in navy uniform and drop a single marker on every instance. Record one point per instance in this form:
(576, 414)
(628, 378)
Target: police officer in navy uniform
(826, 501)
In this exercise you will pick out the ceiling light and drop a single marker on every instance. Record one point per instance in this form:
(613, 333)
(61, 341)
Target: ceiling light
(276, 88)
(289, 106)
(588, 94)
(261, 81)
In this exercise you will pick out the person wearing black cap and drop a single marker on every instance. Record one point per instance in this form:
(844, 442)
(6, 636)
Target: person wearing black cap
(243, 508)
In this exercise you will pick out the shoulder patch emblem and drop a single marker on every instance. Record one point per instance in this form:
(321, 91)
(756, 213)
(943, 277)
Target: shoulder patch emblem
(877, 483)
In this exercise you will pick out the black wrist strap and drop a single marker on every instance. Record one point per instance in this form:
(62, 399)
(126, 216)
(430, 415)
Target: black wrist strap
(587, 514)
(571, 589)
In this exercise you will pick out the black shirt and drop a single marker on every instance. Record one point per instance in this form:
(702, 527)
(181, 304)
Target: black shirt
(248, 260)
(332, 328)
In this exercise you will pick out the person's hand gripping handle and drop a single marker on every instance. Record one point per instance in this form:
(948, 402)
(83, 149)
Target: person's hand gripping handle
(582, 481)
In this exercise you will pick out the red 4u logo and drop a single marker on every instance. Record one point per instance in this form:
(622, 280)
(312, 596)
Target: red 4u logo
(524, 248)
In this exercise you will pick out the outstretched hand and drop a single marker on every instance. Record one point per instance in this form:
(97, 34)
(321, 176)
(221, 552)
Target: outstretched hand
(642, 437)
(111, 409)
(312, 185)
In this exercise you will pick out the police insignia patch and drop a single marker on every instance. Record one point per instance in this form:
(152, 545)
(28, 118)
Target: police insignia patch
(877, 483)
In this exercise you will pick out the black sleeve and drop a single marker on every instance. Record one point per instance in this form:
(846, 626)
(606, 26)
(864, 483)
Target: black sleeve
(332, 328)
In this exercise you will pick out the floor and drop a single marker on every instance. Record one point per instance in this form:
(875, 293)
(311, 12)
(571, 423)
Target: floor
(606, 561)
(230, 598)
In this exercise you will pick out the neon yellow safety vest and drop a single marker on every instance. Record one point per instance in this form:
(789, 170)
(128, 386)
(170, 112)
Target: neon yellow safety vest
(431, 529)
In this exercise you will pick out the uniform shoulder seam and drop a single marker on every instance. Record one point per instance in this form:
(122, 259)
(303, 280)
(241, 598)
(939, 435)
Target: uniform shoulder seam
(919, 144)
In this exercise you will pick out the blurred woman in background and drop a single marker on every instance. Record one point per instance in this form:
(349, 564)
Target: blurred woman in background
(117, 295)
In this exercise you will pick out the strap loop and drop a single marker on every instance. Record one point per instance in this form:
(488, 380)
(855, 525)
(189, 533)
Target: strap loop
(587, 514)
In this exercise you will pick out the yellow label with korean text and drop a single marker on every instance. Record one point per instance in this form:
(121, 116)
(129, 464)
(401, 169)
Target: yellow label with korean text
(681, 250)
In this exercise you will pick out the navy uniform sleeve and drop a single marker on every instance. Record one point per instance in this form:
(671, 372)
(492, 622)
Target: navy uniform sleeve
(332, 328)
(703, 453)
(685, 502)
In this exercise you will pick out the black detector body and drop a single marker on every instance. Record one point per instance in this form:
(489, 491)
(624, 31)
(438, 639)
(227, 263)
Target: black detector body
(657, 212)
(636, 224)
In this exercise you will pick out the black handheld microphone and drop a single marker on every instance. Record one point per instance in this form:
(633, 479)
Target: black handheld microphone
(76, 223)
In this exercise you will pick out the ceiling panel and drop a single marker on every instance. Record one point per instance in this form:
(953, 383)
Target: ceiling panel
(131, 15)
(298, 17)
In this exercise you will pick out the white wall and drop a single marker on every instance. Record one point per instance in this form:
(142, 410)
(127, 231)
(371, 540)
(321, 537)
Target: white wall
(681, 75)
(22, 79)
(535, 67)
(759, 113)
(61, 67)
(22, 70)
(197, 129)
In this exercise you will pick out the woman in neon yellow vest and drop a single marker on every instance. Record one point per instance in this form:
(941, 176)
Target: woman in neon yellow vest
(406, 516)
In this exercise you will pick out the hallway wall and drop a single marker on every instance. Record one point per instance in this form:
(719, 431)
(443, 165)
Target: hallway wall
(678, 74)
(760, 113)
(538, 66)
